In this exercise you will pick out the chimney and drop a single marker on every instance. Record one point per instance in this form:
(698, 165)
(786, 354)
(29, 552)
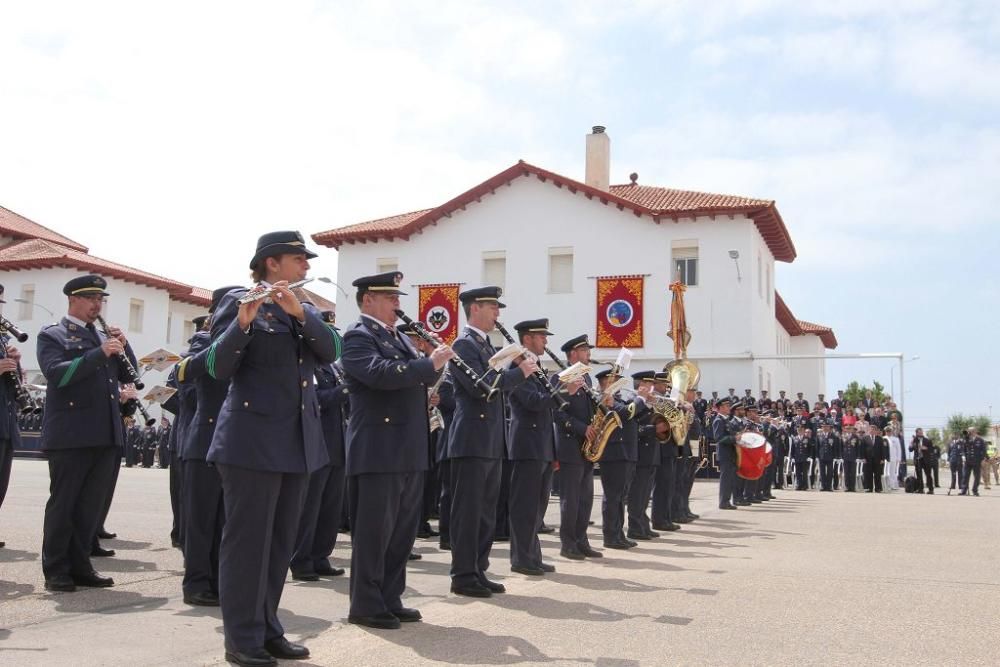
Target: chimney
(598, 159)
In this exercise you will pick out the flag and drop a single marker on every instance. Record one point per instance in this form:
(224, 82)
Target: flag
(619, 311)
(439, 310)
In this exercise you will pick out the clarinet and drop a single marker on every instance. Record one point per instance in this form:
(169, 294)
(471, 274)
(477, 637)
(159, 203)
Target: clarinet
(539, 374)
(489, 392)
(26, 403)
(125, 361)
(145, 415)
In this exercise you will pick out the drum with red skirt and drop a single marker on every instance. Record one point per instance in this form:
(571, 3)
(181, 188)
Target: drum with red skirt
(753, 454)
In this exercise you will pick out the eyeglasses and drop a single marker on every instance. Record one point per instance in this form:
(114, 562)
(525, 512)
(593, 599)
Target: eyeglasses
(93, 297)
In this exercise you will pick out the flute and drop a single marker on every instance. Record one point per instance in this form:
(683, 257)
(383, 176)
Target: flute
(256, 293)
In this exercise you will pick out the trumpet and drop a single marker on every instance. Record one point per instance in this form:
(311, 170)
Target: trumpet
(539, 374)
(123, 358)
(258, 292)
(489, 392)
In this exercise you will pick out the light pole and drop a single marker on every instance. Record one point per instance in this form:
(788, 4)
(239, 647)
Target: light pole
(34, 304)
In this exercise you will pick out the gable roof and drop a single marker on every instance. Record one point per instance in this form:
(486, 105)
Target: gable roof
(797, 327)
(37, 253)
(19, 227)
(657, 203)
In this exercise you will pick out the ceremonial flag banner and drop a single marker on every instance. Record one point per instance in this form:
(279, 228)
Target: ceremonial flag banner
(619, 311)
(439, 310)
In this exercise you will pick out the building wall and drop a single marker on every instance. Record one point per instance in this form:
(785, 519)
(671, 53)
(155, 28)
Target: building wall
(158, 310)
(729, 317)
(808, 375)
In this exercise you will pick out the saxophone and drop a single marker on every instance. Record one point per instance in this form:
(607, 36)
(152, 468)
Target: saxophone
(604, 422)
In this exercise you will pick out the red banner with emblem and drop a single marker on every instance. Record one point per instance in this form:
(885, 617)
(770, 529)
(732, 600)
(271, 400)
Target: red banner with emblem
(439, 309)
(619, 311)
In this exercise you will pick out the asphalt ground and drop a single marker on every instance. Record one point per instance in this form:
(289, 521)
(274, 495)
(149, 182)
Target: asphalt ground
(809, 578)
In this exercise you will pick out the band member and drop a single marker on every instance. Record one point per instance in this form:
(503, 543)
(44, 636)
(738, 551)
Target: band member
(81, 431)
(10, 434)
(826, 452)
(974, 450)
(923, 460)
(267, 441)
(532, 450)
(802, 453)
(647, 460)
(618, 466)
(687, 467)
(204, 512)
(576, 474)
(725, 445)
(386, 451)
(956, 450)
(476, 445)
(852, 451)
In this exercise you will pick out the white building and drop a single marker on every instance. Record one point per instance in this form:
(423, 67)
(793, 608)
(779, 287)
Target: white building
(35, 263)
(543, 237)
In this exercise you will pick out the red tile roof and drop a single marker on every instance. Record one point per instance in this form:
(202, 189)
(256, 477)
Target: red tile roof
(797, 327)
(39, 253)
(657, 203)
(19, 227)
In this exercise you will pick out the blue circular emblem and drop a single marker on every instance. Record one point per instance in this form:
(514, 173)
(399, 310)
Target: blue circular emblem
(619, 313)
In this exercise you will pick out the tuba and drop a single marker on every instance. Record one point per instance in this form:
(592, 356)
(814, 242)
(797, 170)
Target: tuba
(684, 375)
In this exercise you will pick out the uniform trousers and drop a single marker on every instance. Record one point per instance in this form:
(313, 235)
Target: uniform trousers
(130, 454)
(176, 493)
(850, 475)
(204, 517)
(385, 510)
(78, 487)
(147, 456)
(503, 501)
(927, 470)
(692, 473)
(678, 501)
(957, 478)
(116, 466)
(727, 479)
(262, 516)
(975, 471)
(319, 523)
(937, 466)
(528, 502)
(547, 477)
(663, 490)
(6, 461)
(639, 494)
(576, 500)
(826, 475)
(475, 487)
(444, 506)
(616, 476)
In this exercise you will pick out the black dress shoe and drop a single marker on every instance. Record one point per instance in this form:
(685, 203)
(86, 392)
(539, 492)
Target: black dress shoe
(741, 503)
(501, 538)
(683, 519)
(671, 527)
(638, 536)
(330, 571)
(546, 567)
(383, 621)
(280, 647)
(407, 615)
(255, 658)
(616, 545)
(414, 556)
(2, 545)
(444, 545)
(590, 552)
(105, 535)
(651, 534)
(727, 507)
(631, 543)
(202, 599)
(60, 582)
(305, 576)
(427, 531)
(693, 516)
(545, 530)
(492, 586)
(528, 570)
(475, 590)
(92, 580)
(175, 544)
(572, 554)
(100, 552)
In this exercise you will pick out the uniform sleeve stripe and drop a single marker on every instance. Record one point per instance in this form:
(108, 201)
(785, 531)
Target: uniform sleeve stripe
(210, 361)
(182, 368)
(70, 371)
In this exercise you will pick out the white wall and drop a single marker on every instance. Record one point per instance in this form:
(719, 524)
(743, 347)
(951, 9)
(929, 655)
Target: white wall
(808, 375)
(48, 284)
(726, 316)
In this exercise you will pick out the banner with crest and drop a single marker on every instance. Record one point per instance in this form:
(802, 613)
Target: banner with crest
(619, 311)
(439, 309)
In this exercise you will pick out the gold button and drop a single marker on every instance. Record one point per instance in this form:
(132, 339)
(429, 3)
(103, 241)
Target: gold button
(482, 416)
(303, 406)
(305, 383)
(246, 404)
(71, 404)
(211, 420)
(386, 420)
(346, 391)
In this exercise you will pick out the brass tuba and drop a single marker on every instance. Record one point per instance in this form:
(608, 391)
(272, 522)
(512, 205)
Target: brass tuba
(684, 375)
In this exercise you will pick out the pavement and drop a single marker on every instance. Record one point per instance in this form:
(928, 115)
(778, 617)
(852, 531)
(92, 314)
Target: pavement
(809, 578)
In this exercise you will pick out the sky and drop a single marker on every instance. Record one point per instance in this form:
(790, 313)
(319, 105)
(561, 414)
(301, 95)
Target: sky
(169, 136)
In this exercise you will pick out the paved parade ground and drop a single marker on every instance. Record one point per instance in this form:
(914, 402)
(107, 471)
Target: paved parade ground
(809, 578)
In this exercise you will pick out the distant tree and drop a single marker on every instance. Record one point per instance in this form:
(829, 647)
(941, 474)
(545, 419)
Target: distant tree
(959, 422)
(934, 435)
(856, 391)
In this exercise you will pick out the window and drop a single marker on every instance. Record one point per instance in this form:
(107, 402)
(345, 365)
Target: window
(170, 324)
(188, 330)
(135, 311)
(26, 310)
(560, 270)
(386, 264)
(685, 255)
(495, 268)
